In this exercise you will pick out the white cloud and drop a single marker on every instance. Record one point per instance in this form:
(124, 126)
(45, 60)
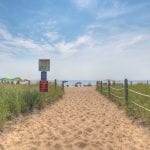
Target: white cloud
(117, 8)
(65, 47)
(14, 45)
(85, 3)
(115, 57)
(4, 34)
(89, 56)
(85, 39)
(53, 36)
(70, 48)
(109, 14)
(128, 41)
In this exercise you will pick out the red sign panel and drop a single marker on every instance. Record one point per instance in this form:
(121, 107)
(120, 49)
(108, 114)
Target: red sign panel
(43, 86)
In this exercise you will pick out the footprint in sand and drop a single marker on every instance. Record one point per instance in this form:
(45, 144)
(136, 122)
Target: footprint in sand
(63, 132)
(69, 146)
(57, 146)
(89, 130)
(1, 147)
(81, 144)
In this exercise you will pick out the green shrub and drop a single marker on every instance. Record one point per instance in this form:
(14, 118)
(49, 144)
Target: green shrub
(132, 109)
(16, 99)
(3, 113)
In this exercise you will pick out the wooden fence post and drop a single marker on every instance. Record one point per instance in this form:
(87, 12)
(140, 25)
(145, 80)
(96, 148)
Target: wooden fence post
(122, 84)
(63, 86)
(126, 90)
(147, 82)
(97, 85)
(109, 88)
(114, 83)
(131, 83)
(101, 86)
(55, 83)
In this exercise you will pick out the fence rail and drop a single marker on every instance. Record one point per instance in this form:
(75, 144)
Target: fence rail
(117, 96)
(140, 106)
(117, 89)
(139, 93)
(125, 90)
(105, 91)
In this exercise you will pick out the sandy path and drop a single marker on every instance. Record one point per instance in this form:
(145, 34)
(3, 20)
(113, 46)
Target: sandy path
(83, 119)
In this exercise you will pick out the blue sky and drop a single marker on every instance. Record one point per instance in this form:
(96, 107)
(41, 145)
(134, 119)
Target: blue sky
(85, 39)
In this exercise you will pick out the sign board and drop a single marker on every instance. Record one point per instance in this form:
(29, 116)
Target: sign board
(44, 75)
(43, 86)
(44, 64)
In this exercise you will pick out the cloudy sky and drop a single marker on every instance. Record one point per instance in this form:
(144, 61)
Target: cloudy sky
(85, 39)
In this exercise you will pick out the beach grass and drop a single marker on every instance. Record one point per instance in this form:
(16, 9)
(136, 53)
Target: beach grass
(143, 115)
(22, 99)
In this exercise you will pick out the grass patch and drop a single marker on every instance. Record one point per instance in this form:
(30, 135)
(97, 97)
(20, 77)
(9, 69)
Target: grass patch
(16, 99)
(138, 113)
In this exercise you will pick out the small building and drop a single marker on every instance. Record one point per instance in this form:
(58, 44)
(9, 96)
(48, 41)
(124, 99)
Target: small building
(17, 80)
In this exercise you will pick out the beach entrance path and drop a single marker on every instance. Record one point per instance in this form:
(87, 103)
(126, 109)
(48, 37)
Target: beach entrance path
(82, 119)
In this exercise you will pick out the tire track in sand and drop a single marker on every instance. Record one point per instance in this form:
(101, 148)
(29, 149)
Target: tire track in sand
(83, 119)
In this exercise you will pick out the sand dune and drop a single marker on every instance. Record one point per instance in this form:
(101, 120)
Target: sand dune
(83, 119)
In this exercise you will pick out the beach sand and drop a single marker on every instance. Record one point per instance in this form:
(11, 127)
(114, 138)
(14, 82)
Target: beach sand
(82, 119)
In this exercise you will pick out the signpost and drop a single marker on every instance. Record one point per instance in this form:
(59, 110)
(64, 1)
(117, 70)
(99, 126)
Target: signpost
(44, 66)
(43, 86)
(44, 75)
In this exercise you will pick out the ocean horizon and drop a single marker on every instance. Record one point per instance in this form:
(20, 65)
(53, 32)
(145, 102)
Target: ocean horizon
(91, 82)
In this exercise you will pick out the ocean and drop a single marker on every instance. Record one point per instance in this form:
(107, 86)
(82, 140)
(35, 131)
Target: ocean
(92, 82)
(83, 82)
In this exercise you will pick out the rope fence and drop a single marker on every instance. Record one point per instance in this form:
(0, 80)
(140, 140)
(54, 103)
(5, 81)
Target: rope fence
(139, 93)
(140, 106)
(117, 96)
(117, 89)
(105, 91)
(133, 102)
(125, 92)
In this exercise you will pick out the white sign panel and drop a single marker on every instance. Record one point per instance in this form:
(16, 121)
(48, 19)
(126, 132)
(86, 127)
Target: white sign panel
(44, 64)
